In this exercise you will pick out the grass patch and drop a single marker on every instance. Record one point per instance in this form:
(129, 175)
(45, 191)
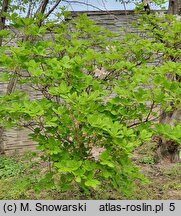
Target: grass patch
(10, 167)
(26, 178)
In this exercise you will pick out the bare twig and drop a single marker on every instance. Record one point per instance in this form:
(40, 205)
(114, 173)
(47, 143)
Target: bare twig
(151, 108)
(42, 7)
(29, 9)
(53, 8)
(78, 2)
(138, 123)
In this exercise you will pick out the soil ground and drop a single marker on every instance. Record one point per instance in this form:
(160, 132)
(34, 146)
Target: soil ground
(164, 180)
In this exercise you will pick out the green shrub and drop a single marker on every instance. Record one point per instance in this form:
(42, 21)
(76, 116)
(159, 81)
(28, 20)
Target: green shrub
(98, 98)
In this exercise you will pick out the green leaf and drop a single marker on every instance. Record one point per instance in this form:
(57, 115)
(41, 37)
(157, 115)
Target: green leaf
(4, 33)
(108, 163)
(68, 165)
(78, 179)
(145, 135)
(92, 183)
(89, 165)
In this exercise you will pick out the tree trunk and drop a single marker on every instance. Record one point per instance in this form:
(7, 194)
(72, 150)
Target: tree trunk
(169, 149)
(174, 7)
(5, 5)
